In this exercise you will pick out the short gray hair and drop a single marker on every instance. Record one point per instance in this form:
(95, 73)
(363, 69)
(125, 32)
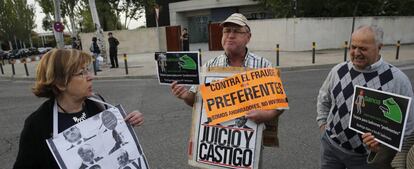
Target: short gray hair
(378, 32)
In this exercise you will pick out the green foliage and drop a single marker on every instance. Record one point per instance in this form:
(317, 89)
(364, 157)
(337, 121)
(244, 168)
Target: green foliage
(107, 18)
(339, 8)
(16, 20)
(134, 9)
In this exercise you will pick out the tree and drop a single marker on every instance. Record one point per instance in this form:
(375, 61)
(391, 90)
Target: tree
(280, 8)
(71, 11)
(133, 9)
(107, 18)
(16, 21)
(339, 8)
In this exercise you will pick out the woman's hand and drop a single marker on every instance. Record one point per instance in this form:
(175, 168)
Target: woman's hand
(135, 118)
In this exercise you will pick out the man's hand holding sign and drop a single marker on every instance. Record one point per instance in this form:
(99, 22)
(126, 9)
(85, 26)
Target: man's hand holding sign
(255, 94)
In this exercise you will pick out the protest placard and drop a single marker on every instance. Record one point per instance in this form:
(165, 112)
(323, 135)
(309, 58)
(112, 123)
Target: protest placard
(234, 96)
(101, 141)
(231, 144)
(182, 67)
(382, 113)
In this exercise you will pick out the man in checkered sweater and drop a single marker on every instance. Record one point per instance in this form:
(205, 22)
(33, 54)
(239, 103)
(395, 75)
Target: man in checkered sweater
(341, 147)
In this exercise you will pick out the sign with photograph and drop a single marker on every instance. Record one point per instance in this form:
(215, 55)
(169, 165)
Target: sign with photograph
(182, 67)
(232, 144)
(382, 113)
(101, 141)
(234, 96)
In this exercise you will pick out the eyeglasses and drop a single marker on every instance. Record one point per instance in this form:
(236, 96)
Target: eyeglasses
(83, 73)
(238, 31)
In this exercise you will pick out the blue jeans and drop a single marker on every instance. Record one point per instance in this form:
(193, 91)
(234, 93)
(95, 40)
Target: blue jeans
(95, 56)
(335, 157)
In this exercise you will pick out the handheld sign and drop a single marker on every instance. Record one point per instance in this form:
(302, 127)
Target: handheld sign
(231, 144)
(182, 67)
(234, 96)
(382, 113)
(104, 140)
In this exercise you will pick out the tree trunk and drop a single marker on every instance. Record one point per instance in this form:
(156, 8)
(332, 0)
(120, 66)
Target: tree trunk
(30, 40)
(10, 45)
(98, 29)
(73, 26)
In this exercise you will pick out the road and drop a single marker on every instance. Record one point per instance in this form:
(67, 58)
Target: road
(167, 120)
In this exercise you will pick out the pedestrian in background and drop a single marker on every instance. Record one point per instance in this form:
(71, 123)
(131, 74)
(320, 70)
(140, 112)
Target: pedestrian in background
(185, 40)
(95, 52)
(113, 50)
(75, 43)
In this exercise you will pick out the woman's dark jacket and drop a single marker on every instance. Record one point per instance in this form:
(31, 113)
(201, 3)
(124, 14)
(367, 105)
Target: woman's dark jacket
(33, 149)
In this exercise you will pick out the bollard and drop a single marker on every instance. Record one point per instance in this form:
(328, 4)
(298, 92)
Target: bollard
(277, 54)
(25, 68)
(313, 52)
(12, 64)
(94, 66)
(199, 50)
(1, 67)
(126, 63)
(345, 50)
(398, 50)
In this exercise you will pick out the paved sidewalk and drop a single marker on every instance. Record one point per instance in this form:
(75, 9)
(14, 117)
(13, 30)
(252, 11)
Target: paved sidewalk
(143, 65)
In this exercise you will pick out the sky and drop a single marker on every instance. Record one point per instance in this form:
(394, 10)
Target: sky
(39, 15)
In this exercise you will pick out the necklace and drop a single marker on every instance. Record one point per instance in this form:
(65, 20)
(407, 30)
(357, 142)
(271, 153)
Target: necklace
(75, 119)
(79, 119)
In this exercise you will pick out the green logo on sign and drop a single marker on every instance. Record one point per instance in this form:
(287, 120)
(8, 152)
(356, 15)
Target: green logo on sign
(392, 110)
(186, 62)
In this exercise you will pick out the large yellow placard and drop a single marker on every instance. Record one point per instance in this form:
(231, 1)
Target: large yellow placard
(234, 96)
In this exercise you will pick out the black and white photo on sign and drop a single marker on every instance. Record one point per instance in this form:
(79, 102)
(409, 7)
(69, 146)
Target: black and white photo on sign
(231, 144)
(98, 142)
(381, 113)
(73, 135)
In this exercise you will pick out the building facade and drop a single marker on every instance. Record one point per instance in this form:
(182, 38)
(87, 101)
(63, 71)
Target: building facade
(195, 15)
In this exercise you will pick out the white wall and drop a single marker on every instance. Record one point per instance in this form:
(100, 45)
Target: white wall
(297, 34)
(132, 41)
(291, 34)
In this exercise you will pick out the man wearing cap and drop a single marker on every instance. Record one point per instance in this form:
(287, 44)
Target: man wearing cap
(236, 35)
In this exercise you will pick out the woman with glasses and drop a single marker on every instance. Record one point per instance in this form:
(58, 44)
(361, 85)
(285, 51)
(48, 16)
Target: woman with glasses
(64, 78)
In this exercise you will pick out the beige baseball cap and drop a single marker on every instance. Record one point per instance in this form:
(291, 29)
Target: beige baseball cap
(238, 19)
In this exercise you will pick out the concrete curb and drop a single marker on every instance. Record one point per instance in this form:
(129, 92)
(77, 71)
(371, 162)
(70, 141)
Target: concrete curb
(292, 68)
(307, 67)
(96, 77)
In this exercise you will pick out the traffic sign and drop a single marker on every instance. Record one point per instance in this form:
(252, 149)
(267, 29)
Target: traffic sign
(58, 26)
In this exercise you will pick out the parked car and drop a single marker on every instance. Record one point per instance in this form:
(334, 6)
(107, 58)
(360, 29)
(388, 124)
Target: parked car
(33, 51)
(19, 53)
(13, 54)
(3, 56)
(43, 50)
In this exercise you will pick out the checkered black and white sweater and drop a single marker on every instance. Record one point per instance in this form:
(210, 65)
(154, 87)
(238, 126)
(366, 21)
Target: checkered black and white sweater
(335, 99)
